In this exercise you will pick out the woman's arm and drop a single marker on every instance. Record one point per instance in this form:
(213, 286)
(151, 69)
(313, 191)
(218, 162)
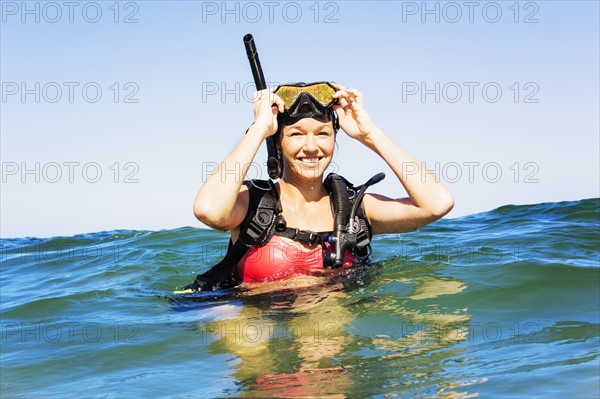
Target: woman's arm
(222, 201)
(428, 199)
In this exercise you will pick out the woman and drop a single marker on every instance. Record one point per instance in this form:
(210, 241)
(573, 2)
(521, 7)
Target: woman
(306, 139)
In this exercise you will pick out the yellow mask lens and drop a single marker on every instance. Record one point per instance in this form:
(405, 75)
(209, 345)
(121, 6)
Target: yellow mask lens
(321, 92)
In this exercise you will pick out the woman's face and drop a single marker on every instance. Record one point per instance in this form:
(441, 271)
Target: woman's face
(307, 148)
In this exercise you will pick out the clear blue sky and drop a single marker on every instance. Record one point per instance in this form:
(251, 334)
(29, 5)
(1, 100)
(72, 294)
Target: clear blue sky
(113, 112)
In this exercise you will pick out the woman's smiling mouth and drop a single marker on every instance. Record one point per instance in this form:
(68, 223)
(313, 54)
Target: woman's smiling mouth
(310, 161)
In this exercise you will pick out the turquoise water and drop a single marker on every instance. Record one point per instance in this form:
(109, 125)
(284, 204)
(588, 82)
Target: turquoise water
(498, 304)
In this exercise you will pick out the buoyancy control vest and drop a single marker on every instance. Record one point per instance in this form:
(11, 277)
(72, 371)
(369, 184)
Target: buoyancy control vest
(352, 231)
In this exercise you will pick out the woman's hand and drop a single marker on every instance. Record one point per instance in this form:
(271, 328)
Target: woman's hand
(352, 116)
(266, 107)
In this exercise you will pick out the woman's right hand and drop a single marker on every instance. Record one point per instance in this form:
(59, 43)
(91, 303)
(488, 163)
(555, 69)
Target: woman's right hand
(267, 105)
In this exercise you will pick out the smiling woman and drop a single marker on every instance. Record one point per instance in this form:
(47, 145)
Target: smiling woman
(332, 221)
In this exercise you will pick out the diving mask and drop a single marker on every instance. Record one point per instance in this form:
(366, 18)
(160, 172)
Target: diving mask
(321, 93)
(312, 100)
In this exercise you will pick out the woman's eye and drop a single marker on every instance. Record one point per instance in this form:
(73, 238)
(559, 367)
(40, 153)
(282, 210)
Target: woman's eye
(323, 134)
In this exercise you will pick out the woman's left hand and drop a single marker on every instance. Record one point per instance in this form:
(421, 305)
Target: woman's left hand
(352, 116)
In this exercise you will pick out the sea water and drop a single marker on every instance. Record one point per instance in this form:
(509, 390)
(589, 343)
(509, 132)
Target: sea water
(498, 305)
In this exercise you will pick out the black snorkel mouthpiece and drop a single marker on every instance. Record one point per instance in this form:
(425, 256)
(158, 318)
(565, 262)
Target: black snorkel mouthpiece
(274, 165)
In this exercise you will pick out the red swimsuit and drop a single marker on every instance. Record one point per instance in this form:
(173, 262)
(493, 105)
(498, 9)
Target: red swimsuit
(280, 259)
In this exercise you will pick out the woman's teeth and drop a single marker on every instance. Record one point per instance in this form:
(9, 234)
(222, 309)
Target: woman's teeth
(310, 160)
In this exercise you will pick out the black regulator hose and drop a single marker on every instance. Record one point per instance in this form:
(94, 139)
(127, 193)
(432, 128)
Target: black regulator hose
(361, 193)
(342, 215)
(344, 233)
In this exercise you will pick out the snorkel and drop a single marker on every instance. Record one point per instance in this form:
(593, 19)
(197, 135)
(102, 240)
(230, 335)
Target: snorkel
(274, 165)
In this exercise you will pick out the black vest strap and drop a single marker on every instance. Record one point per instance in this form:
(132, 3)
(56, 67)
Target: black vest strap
(305, 236)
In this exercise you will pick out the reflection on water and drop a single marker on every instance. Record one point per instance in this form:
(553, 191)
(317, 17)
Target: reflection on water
(305, 337)
(418, 356)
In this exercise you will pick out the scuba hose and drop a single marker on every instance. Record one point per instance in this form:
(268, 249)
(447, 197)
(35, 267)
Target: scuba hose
(342, 213)
(346, 228)
(361, 193)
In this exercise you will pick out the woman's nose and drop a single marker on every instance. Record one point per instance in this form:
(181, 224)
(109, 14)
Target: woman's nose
(310, 142)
